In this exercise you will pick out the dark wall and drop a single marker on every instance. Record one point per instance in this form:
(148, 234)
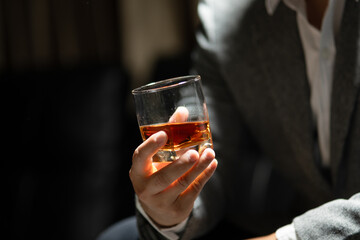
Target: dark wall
(68, 146)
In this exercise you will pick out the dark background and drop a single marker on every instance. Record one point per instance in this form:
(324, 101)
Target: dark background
(67, 68)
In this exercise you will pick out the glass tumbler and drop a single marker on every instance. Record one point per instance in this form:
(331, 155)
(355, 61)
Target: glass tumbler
(176, 106)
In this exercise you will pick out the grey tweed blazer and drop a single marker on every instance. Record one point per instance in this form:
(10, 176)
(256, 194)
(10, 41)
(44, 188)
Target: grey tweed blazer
(253, 72)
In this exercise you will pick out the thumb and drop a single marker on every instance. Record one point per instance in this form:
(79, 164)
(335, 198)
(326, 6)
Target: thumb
(142, 158)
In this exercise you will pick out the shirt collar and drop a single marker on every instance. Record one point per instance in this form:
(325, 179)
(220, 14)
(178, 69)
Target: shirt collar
(300, 7)
(296, 5)
(271, 6)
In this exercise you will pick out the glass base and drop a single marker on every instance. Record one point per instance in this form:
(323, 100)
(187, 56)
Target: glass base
(166, 155)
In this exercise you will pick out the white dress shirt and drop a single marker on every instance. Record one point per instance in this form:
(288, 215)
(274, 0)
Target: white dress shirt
(319, 50)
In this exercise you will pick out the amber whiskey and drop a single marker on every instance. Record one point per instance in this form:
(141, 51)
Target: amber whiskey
(181, 136)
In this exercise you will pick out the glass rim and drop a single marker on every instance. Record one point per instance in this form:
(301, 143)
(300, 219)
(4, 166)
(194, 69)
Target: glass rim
(165, 84)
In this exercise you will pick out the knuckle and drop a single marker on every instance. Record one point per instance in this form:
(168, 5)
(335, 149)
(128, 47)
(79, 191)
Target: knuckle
(207, 174)
(197, 186)
(183, 182)
(136, 153)
(203, 164)
(161, 179)
(133, 175)
(143, 195)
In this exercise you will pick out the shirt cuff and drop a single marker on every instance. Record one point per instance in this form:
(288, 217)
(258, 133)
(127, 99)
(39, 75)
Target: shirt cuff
(170, 233)
(286, 233)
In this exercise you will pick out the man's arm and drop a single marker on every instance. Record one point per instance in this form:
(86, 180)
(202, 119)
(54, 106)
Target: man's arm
(338, 219)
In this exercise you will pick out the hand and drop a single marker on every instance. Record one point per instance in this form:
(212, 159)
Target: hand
(167, 194)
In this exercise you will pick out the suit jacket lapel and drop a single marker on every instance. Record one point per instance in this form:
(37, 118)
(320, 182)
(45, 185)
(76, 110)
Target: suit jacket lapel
(283, 62)
(345, 86)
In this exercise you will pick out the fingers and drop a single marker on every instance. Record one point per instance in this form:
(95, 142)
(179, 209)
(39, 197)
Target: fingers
(169, 193)
(196, 173)
(180, 115)
(190, 194)
(163, 178)
(142, 158)
(174, 178)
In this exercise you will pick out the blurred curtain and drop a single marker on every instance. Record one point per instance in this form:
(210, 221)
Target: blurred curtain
(136, 33)
(48, 33)
(66, 69)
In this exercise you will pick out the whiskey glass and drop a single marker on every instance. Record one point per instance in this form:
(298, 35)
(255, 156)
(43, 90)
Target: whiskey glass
(176, 106)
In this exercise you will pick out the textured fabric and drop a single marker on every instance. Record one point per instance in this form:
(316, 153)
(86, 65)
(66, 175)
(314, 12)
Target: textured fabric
(319, 50)
(254, 77)
(126, 229)
(286, 233)
(170, 233)
(334, 220)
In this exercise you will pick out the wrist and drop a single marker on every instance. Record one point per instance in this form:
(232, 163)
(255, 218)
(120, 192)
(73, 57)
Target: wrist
(168, 232)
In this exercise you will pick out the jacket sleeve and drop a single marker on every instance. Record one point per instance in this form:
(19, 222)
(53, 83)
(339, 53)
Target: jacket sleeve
(146, 231)
(338, 219)
(232, 142)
